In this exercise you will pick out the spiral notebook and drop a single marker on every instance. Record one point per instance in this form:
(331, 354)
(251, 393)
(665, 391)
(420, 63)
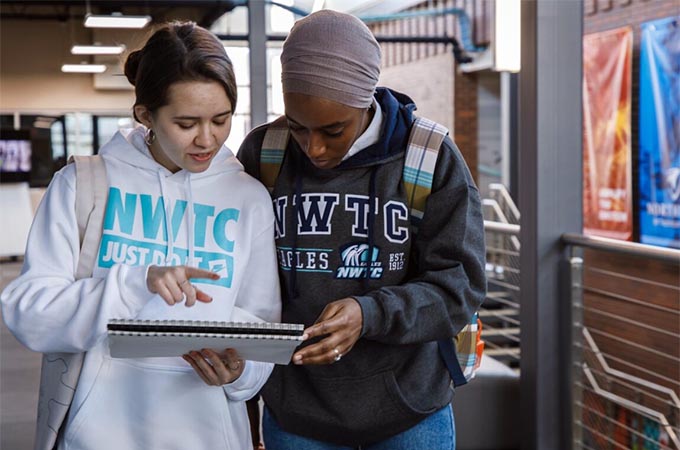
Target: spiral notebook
(268, 342)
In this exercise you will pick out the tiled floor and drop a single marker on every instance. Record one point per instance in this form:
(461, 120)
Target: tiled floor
(19, 379)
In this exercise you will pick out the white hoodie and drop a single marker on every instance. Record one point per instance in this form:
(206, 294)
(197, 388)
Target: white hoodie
(220, 220)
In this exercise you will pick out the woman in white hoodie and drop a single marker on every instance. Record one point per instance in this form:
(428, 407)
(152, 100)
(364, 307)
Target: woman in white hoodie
(186, 235)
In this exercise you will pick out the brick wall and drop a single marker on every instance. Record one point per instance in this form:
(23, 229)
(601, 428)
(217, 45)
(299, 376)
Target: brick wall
(429, 83)
(427, 72)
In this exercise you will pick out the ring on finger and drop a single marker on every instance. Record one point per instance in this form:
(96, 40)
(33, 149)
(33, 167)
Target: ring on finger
(232, 368)
(184, 282)
(338, 355)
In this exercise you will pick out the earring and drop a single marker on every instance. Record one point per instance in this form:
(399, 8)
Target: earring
(150, 137)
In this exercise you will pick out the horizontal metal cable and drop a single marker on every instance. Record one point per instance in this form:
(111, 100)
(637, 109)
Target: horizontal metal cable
(509, 333)
(636, 388)
(633, 322)
(614, 421)
(633, 344)
(629, 364)
(652, 414)
(501, 251)
(501, 300)
(629, 277)
(496, 352)
(503, 317)
(599, 433)
(496, 282)
(499, 312)
(635, 301)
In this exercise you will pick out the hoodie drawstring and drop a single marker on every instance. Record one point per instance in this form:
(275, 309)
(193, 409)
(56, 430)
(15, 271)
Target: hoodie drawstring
(292, 288)
(371, 224)
(169, 250)
(191, 219)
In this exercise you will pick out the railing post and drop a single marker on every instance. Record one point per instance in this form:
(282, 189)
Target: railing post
(576, 354)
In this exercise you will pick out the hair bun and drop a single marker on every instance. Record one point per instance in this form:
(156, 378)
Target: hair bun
(132, 66)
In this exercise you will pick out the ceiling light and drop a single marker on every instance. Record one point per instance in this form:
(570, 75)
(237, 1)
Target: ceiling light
(116, 20)
(83, 68)
(97, 49)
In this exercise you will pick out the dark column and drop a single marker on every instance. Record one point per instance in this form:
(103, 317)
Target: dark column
(549, 154)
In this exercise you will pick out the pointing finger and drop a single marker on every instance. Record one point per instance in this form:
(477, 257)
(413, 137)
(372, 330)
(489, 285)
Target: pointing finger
(195, 272)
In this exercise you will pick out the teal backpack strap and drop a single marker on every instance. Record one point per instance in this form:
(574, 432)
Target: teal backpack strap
(422, 150)
(273, 148)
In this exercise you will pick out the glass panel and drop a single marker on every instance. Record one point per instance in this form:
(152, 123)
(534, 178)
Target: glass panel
(239, 56)
(234, 22)
(57, 140)
(279, 20)
(240, 126)
(79, 134)
(108, 126)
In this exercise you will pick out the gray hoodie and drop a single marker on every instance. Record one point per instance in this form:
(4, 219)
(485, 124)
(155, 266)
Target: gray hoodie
(413, 290)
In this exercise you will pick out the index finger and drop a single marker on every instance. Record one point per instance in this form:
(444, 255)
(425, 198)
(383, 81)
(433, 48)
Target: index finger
(195, 272)
(323, 328)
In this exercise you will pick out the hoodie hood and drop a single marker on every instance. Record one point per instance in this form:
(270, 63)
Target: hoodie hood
(397, 112)
(128, 146)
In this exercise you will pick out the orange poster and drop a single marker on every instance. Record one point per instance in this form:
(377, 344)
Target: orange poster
(607, 177)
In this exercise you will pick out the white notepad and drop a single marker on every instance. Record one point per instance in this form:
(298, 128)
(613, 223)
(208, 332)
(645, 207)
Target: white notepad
(268, 342)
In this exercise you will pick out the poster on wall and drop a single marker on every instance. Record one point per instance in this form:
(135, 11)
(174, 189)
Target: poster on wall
(659, 156)
(607, 160)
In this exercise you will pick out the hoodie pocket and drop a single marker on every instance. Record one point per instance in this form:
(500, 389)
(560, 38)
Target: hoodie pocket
(140, 406)
(351, 411)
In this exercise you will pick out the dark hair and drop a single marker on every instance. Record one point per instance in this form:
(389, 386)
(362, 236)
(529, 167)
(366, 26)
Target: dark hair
(178, 51)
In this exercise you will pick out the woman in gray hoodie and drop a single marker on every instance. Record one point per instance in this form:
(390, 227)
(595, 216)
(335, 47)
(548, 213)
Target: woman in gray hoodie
(375, 292)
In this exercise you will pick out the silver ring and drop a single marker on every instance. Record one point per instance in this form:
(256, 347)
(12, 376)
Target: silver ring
(338, 355)
(184, 282)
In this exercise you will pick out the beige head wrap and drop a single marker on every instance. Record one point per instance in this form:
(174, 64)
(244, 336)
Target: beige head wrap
(331, 55)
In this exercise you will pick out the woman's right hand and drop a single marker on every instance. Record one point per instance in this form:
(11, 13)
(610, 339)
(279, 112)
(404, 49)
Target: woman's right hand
(173, 285)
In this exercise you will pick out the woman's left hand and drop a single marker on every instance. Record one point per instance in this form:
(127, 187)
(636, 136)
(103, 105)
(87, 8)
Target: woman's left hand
(214, 368)
(340, 322)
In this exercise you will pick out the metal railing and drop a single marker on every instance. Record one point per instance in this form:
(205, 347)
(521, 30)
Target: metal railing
(625, 345)
(500, 311)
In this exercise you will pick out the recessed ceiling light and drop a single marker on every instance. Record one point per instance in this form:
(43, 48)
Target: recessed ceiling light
(97, 49)
(116, 20)
(83, 68)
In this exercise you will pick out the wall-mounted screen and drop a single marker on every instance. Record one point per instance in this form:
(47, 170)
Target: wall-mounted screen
(15, 156)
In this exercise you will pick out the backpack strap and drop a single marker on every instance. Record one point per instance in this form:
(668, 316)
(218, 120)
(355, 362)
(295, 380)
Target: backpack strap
(91, 194)
(273, 149)
(420, 162)
(60, 372)
(422, 150)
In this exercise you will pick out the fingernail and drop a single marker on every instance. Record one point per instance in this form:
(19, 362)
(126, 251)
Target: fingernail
(305, 336)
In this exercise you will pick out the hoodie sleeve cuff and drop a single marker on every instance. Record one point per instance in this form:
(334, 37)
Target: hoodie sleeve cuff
(134, 291)
(372, 314)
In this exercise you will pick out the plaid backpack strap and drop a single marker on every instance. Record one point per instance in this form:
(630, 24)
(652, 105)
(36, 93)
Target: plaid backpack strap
(458, 354)
(273, 148)
(423, 147)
